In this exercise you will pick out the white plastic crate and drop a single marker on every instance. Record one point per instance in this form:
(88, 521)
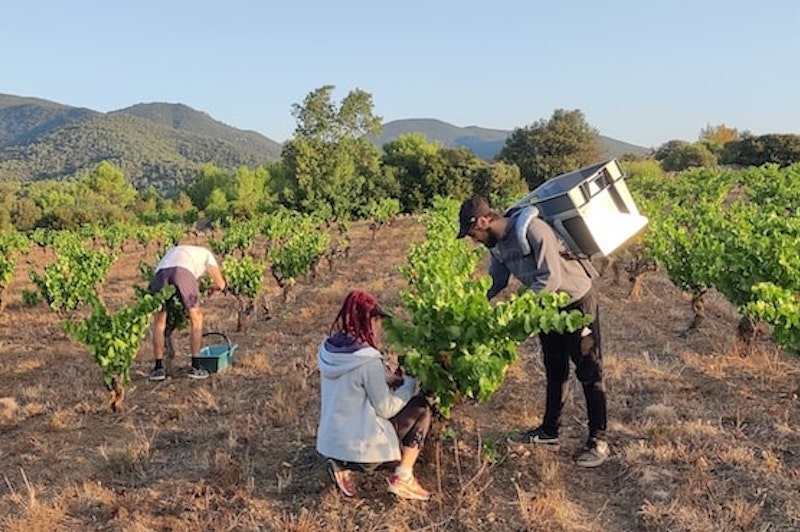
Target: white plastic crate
(591, 208)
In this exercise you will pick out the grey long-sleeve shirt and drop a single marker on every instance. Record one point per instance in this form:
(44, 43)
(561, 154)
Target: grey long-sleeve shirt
(536, 261)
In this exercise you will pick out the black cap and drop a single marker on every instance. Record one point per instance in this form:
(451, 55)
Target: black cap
(379, 311)
(471, 209)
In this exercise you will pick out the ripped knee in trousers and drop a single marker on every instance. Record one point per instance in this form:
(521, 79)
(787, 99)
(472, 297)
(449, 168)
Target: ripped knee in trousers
(587, 341)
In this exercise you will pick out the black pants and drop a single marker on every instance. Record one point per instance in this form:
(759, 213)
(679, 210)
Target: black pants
(413, 422)
(585, 352)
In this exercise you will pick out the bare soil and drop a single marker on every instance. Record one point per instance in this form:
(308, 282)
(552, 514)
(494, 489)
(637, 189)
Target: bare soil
(703, 438)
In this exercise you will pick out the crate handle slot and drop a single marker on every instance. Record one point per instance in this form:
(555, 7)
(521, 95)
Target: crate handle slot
(596, 184)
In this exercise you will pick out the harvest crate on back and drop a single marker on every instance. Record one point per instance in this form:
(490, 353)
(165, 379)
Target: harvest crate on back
(591, 208)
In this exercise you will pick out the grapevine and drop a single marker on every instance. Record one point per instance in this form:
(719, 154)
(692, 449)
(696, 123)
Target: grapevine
(734, 231)
(457, 344)
(115, 338)
(244, 278)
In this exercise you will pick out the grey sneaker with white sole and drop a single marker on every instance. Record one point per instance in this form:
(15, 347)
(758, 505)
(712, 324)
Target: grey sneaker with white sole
(594, 453)
(198, 373)
(535, 436)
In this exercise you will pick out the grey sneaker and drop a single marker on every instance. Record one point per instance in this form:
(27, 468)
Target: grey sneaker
(198, 373)
(158, 374)
(595, 453)
(535, 436)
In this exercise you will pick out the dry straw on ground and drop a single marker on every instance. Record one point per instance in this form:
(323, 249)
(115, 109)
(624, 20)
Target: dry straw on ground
(702, 438)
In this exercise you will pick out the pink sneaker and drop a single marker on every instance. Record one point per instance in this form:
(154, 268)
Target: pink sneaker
(344, 479)
(408, 489)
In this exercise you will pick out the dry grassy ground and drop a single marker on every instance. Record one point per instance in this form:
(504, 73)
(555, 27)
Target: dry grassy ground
(702, 439)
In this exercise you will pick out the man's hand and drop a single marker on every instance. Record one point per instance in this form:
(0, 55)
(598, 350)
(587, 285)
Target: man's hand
(218, 283)
(214, 288)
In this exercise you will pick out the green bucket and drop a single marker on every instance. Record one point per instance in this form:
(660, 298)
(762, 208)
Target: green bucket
(217, 356)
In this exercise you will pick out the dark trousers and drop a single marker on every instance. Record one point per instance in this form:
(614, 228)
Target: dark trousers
(585, 352)
(413, 422)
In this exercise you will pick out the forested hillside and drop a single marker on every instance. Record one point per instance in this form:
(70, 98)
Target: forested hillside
(158, 145)
(148, 153)
(184, 118)
(163, 145)
(486, 143)
(24, 119)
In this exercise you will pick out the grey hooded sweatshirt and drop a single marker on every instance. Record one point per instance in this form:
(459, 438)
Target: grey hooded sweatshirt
(534, 253)
(357, 403)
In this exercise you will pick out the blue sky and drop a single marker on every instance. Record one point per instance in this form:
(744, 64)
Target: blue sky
(641, 72)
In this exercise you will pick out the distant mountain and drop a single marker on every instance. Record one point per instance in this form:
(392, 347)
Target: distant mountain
(485, 143)
(184, 118)
(160, 145)
(163, 144)
(24, 119)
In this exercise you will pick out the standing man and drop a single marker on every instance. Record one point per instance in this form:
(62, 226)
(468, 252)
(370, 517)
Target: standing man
(181, 267)
(526, 246)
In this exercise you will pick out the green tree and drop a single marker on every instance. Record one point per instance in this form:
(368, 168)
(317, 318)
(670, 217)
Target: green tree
(678, 155)
(108, 181)
(218, 205)
(146, 205)
(25, 214)
(183, 209)
(281, 183)
(552, 147)
(52, 197)
(501, 182)
(8, 192)
(103, 195)
(460, 167)
(424, 170)
(330, 163)
(5, 220)
(208, 179)
(415, 164)
(248, 191)
(782, 150)
(319, 118)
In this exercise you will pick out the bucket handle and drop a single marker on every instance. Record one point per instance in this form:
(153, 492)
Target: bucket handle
(216, 333)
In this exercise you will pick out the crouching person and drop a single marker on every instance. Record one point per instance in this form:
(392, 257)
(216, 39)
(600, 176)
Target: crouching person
(369, 416)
